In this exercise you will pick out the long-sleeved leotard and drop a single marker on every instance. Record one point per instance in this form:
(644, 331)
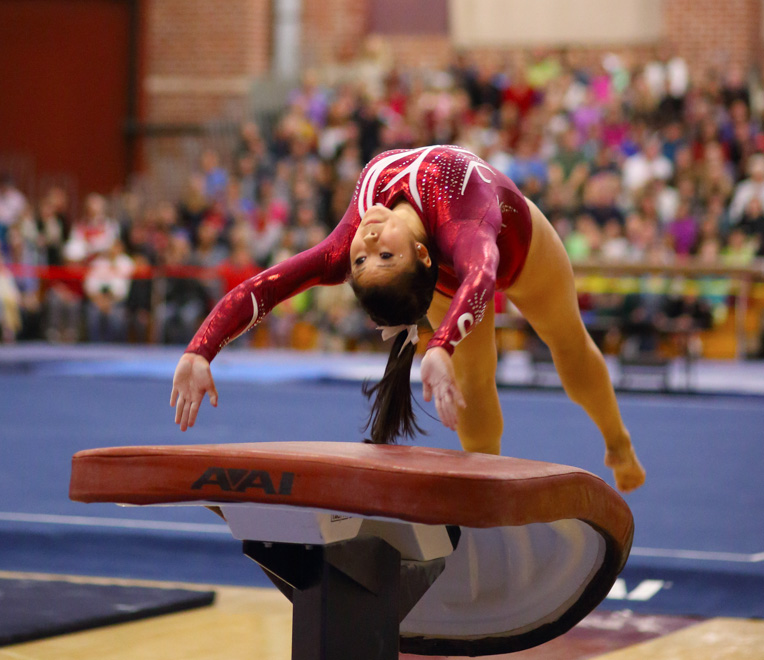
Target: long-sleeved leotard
(477, 222)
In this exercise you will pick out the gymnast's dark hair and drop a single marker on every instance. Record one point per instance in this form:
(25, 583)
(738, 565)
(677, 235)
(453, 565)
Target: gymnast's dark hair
(403, 301)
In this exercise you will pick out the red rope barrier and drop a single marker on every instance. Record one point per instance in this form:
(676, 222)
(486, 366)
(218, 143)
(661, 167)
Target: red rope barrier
(78, 272)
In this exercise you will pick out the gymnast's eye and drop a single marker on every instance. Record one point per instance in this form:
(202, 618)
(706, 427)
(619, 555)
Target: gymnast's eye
(359, 261)
(385, 255)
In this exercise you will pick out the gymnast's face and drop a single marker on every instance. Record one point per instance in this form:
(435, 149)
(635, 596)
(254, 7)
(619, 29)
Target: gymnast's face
(383, 247)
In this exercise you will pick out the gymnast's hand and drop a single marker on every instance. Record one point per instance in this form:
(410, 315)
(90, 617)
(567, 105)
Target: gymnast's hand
(439, 382)
(627, 470)
(193, 379)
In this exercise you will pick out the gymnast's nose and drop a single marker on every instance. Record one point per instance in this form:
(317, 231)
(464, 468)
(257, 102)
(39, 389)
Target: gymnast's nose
(371, 237)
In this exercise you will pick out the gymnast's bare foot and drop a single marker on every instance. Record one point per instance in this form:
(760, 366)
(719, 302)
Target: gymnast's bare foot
(627, 470)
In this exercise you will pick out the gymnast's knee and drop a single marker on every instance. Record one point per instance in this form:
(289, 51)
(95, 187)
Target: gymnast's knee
(481, 436)
(571, 346)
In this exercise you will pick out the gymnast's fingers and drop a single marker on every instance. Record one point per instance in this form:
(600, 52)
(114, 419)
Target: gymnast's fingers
(173, 396)
(456, 401)
(184, 417)
(445, 409)
(193, 408)
(453, 415)
(437, 402)
(426, 391)
(179, 409)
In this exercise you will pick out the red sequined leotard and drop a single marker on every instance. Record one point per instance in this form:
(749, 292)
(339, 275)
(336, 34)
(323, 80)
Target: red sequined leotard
(476, 220)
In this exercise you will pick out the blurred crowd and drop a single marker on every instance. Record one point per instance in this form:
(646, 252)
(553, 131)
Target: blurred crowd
(633, 159)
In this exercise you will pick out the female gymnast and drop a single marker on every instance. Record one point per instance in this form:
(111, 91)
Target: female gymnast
(433, 232)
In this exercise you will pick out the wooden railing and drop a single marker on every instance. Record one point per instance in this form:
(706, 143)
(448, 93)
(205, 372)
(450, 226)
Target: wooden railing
(746, 283)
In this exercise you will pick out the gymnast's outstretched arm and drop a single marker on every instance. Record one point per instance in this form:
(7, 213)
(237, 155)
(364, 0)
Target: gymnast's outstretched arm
(244, 307)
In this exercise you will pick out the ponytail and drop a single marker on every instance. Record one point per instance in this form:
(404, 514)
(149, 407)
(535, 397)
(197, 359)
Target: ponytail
(392, 415)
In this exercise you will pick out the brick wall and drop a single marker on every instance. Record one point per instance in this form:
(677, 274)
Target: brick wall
(333, 30)
(426, 51)
(713, 33)
(200, 55)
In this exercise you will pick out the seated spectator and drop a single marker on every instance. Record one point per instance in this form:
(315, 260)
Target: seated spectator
(499, 154)
(615, 245)
(683, 230)
(209, 250)
(306, 230)
(186, 301)
(519, 93)
(238, 267)
(140, 301)
(269, 224)
(311, 98)
(237, 204)
(740, 249)
(248, 178)
(285, 316)
(647, 164)
(209, 253)
(193, 205)
(481, 134)
(686, 311)
(748, 189)
(53, 232)
(63, 308)
(583, 242)
(709, 233)
(752, 223)
(342, 324)
(735, 86)
(643, 316)
(674, 139)
(587, 117)
(568, 155)
(12, 205)
(93, 233)
(528, 168)
(10, 299)
(107, 284)
(715, 175)
(740, 136)
(600, 199)
(24, 257)
(714, 290)
(615, 127)
(215, 175)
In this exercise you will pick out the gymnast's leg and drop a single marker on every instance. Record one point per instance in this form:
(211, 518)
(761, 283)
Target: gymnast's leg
(480, 423)
(545, 294)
